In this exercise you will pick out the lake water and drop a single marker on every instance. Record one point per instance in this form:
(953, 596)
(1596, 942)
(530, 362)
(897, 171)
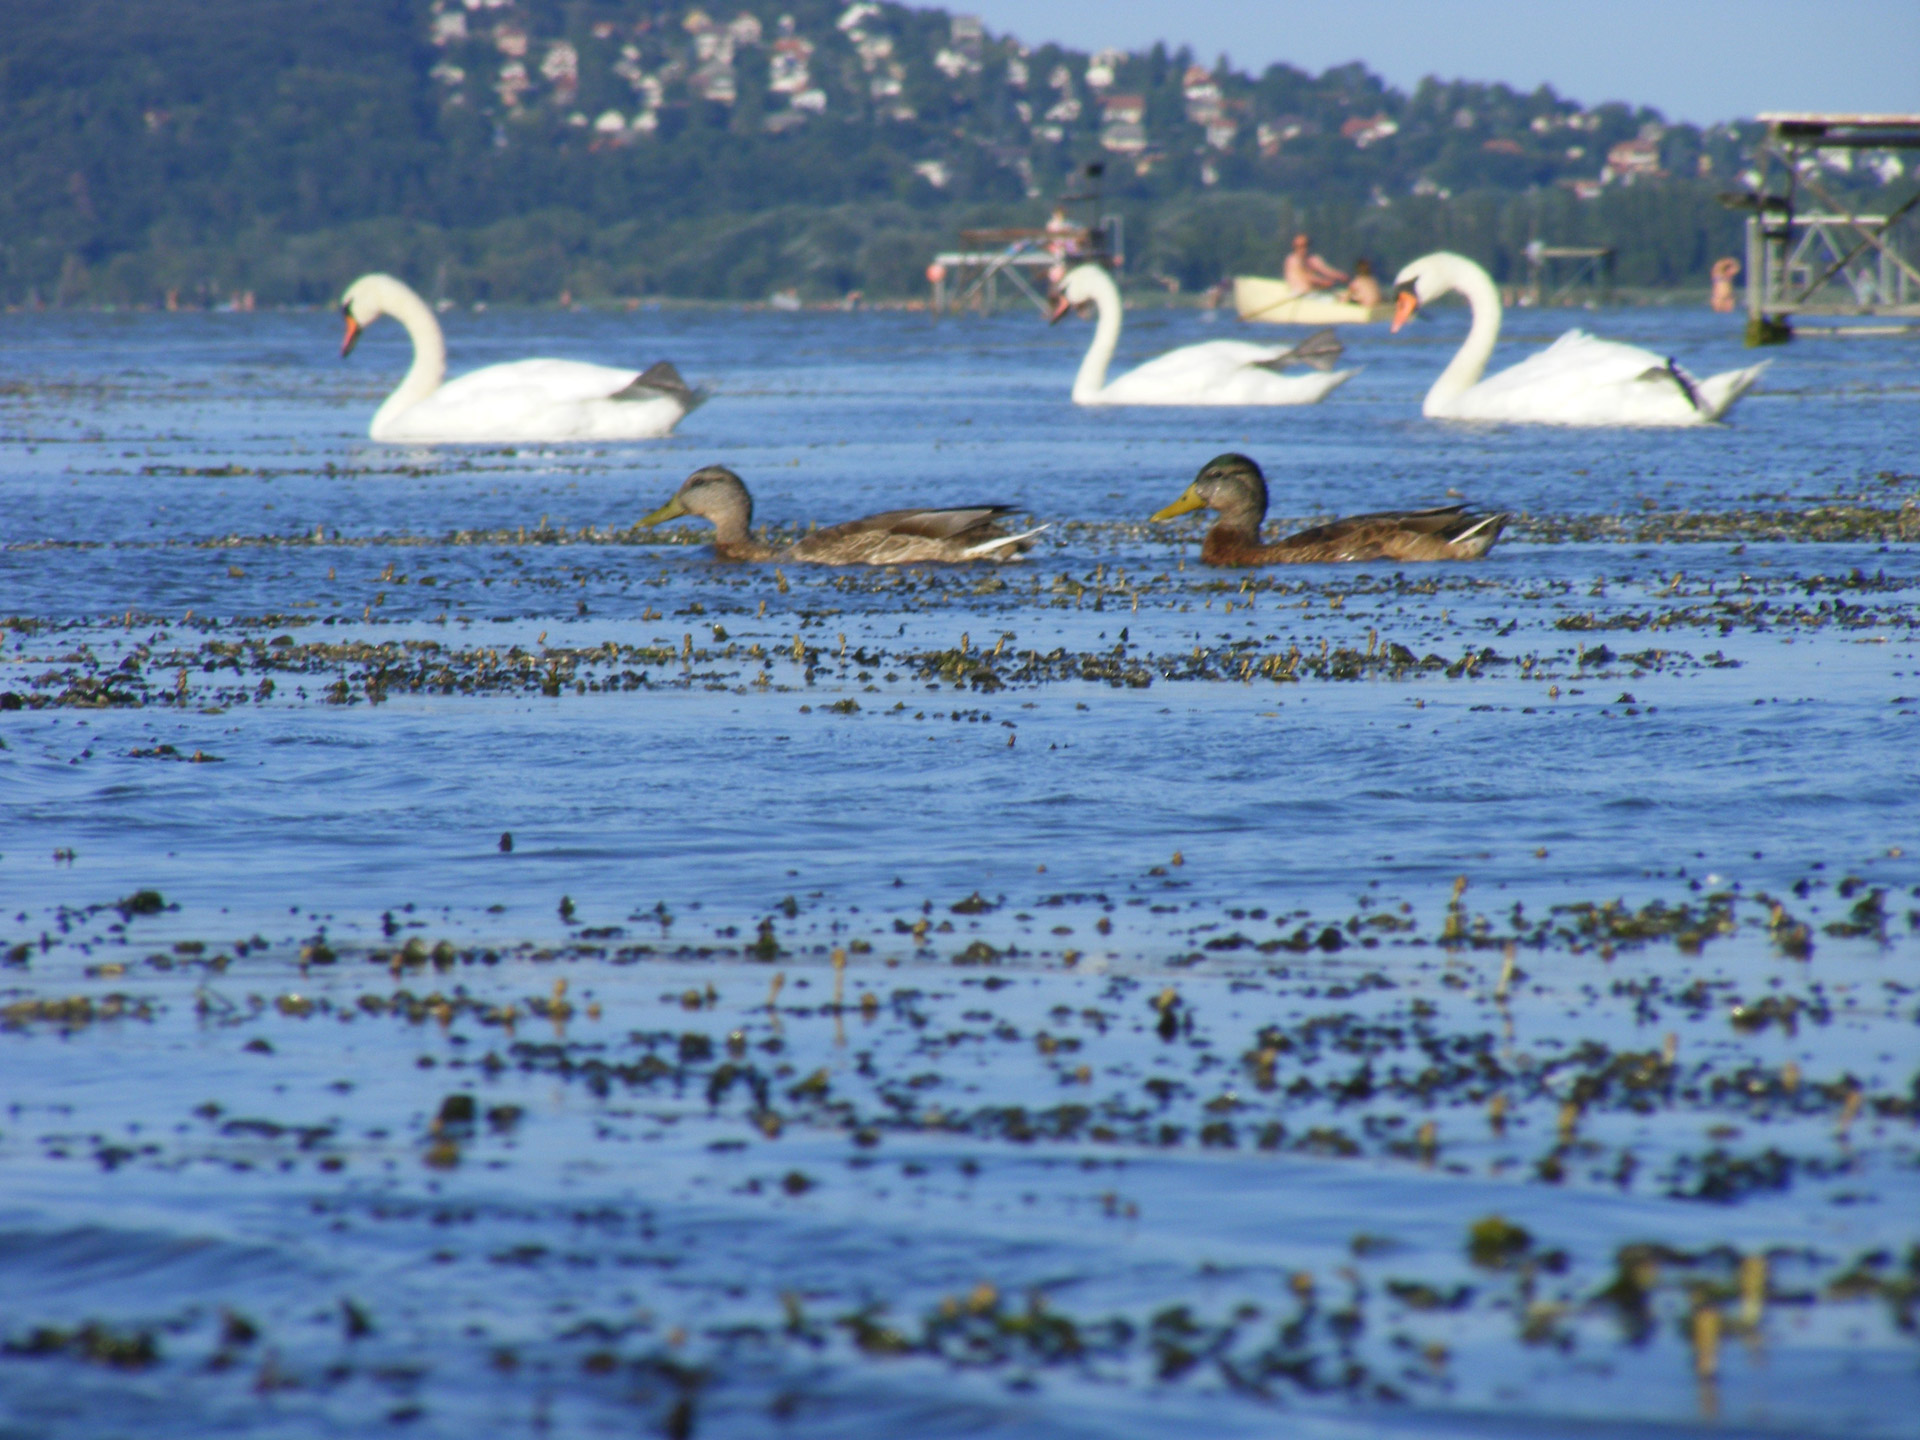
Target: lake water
(1356, 1000)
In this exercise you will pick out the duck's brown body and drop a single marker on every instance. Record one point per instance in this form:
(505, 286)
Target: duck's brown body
(894, 537)
(1233, 486)
(906, 537)
(1447, 532)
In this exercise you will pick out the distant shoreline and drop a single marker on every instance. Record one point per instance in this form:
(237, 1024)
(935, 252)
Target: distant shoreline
(1140, 297)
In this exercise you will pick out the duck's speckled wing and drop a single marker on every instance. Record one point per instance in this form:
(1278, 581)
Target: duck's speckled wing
(906, 537)
(1444, 532)
(944, 524)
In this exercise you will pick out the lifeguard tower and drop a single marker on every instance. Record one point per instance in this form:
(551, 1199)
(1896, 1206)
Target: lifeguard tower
(1811, 254)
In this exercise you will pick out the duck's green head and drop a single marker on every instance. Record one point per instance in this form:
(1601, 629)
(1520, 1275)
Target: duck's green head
(1231, 484)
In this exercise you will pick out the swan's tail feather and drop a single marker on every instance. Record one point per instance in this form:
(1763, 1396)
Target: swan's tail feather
(989, 549)
(658, 379)
(1718, 392)
(1321, 350)
(1672, 371)
(1324, 385)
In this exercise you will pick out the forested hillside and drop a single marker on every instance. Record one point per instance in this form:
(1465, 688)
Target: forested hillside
(512, 149)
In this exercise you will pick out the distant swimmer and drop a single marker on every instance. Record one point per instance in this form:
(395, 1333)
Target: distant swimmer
(1725, 271)
(1306, 272)
(1364, 288)
(1063, 236)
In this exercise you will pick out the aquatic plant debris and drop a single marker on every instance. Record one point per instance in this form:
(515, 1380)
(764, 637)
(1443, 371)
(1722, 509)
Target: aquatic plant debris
(472, 967)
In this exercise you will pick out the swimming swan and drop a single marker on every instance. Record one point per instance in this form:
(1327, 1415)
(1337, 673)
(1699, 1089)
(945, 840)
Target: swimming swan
(1577, 380)
(520, 400)
(1218, 372)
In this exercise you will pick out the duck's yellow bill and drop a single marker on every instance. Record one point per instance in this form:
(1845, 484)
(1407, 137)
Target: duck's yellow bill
(672, 510)
(1186, 504)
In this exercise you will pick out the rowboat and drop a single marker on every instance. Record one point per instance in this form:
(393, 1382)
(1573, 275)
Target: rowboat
(1273, 303)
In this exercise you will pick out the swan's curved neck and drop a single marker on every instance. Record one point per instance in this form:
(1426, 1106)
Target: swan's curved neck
(1092, 378)
(1464, 372)
(429, 366)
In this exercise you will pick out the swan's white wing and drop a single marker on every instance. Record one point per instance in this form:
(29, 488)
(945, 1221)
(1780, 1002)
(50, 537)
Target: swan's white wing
(538, 400)
(538, 382)
(1576, 358)
(1583, 380)
(1218, 372)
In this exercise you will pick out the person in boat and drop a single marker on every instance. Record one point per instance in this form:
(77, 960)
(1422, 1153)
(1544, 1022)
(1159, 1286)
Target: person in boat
(1306, 272)
(1364, 288)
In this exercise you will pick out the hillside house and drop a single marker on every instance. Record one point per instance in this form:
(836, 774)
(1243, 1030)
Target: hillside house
(1366, 130)
(715, 81)
(1632, 160)
(1103, 67)
(789, 70)
(1122, 124)
(1202, 94)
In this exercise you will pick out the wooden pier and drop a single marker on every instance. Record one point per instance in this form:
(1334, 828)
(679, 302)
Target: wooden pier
(1827, 260)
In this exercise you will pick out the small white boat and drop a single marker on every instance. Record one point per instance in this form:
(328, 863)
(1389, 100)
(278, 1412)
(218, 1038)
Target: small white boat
(1274, 303)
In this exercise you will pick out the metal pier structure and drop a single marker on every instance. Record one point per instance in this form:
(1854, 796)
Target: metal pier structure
(971, 275)
(1811, 254)
(1592, 266)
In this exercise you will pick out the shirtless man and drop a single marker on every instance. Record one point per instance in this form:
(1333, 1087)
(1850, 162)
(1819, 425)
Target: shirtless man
(1306, 272)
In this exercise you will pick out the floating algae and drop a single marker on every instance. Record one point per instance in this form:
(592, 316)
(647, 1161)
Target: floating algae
(1027, 1122)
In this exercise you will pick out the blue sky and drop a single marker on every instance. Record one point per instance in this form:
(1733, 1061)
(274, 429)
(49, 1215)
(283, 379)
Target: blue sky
(1698, 60)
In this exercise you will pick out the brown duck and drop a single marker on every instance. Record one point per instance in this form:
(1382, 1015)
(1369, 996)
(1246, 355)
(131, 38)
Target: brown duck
(894, 537)
(1234, 486)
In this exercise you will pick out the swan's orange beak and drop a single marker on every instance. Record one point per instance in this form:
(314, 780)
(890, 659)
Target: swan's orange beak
(1061, 305)
(352, 338)
(1404, 304)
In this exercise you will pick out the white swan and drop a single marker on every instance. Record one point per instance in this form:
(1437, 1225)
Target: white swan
(1577, 380)
(1218, 372)
(521, 400)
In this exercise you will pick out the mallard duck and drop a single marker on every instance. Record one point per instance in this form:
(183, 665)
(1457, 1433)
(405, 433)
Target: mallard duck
(1234, 486)
(893, 537)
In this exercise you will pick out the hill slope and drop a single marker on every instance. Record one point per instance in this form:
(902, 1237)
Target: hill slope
(512, 148)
